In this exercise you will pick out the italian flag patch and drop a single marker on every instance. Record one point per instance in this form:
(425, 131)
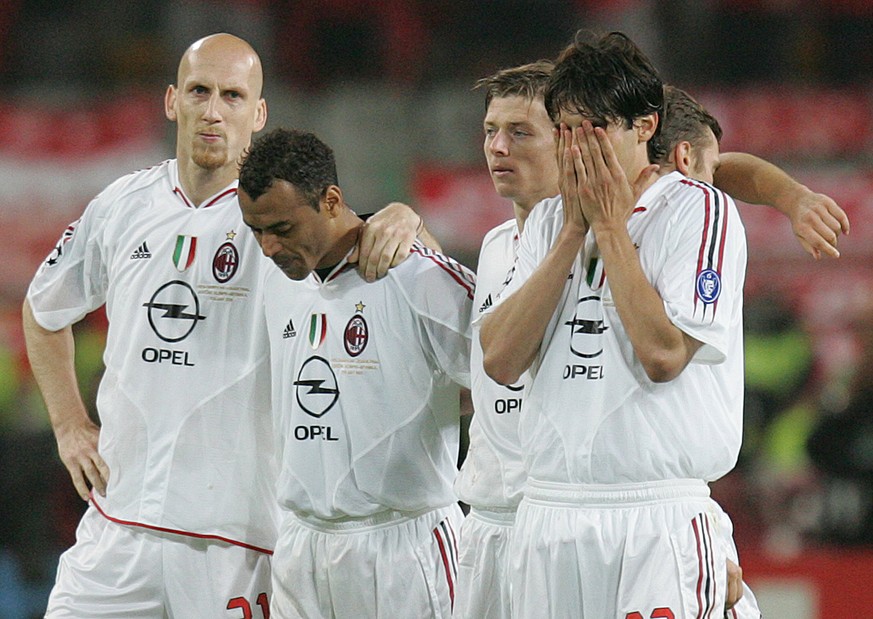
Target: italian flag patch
(183, 256)
(317, 329)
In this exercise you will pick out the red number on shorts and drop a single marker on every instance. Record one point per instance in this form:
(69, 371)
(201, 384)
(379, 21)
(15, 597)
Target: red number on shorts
(243, 604)
(264, 603)
(658, 613)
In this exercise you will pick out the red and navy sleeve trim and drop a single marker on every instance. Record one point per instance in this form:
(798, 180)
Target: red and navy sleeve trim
(710, 257)
(461, 274)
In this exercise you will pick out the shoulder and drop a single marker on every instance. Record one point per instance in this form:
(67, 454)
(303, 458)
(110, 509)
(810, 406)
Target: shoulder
(426, 269)
(681, 190)
(507, 230)
(544, 221)
(676, 198)
(500, 237)
(135, 183)
(546, 211)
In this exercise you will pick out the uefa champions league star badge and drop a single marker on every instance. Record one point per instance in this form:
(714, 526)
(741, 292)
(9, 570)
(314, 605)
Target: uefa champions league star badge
(708, 286)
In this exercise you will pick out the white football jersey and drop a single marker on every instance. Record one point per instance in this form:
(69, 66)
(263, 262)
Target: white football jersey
(591, 414)
(493, 472)
(365, 399)
(184, 402)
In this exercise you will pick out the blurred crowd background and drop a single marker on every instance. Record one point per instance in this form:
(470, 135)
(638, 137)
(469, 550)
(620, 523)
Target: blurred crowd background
(388, 84)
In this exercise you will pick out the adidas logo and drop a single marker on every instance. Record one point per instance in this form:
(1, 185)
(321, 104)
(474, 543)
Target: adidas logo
(289, 330)
(141, 253)
(486, 304)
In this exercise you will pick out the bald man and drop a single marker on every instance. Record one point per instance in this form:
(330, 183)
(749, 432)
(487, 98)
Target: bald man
(180, 474)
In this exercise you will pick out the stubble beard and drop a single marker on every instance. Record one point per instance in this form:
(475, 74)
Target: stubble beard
(209, 157)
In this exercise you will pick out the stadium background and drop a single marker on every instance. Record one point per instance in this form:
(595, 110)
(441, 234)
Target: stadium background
(388, 85)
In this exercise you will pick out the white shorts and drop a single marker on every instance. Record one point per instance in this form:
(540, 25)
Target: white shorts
(625, 551)
(116, 571)
(390, 565)
(483, 577)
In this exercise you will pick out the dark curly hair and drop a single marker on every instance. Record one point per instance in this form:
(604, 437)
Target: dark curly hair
(606, 79)
(297, 157)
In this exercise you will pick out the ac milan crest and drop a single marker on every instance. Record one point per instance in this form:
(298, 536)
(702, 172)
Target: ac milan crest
(225, 263)
(356, 335)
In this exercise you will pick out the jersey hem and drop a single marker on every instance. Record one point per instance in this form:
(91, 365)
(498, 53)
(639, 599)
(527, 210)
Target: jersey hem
(152, 527)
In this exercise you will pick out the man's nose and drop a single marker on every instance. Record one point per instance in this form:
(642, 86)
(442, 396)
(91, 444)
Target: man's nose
(269, 245)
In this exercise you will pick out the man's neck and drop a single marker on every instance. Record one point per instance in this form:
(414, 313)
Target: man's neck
(347, 229)
(199, 184)
(522, 211)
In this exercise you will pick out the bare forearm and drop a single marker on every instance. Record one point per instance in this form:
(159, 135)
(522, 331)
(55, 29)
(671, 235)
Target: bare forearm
(662, 348)
(513, 333)
(756, 181)
(815, 218)
(51, 356)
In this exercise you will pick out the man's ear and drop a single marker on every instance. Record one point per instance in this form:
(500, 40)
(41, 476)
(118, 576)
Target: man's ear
(170, 103)
(646, 126)
(682, 157)
(260, 115)
(332, 202)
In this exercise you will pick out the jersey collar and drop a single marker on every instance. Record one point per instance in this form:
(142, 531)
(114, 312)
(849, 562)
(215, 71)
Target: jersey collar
(221, 196)
(341, 267)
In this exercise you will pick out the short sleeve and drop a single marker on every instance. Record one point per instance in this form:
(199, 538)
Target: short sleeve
(72, 281)
(702, 280)
(443, 299)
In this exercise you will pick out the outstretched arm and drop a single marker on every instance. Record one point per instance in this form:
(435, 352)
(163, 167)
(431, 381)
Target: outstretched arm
(51, 355)
(816, 219)
(386, 239)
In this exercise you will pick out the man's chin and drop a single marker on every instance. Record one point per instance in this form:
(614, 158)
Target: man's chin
(504, 189)
(290, 272)
(296, 275)
(209, 160)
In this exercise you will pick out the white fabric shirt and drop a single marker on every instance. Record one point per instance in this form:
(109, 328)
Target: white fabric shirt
(591, 415)
(184, 402)
(365, 402)
(493, 475)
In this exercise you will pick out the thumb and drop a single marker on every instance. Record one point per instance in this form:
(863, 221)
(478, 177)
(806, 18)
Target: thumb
(646, 177)
(353, 257)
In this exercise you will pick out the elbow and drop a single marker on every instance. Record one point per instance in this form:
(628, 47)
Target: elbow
(499, 368)
(499, 363)
(663, 367)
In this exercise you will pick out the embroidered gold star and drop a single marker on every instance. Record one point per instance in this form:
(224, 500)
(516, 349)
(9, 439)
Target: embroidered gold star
(359, 306)
(231, 235)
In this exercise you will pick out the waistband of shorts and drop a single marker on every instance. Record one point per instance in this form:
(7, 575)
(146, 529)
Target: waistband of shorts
(358, 524)
(494, 515)
(610, 495)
